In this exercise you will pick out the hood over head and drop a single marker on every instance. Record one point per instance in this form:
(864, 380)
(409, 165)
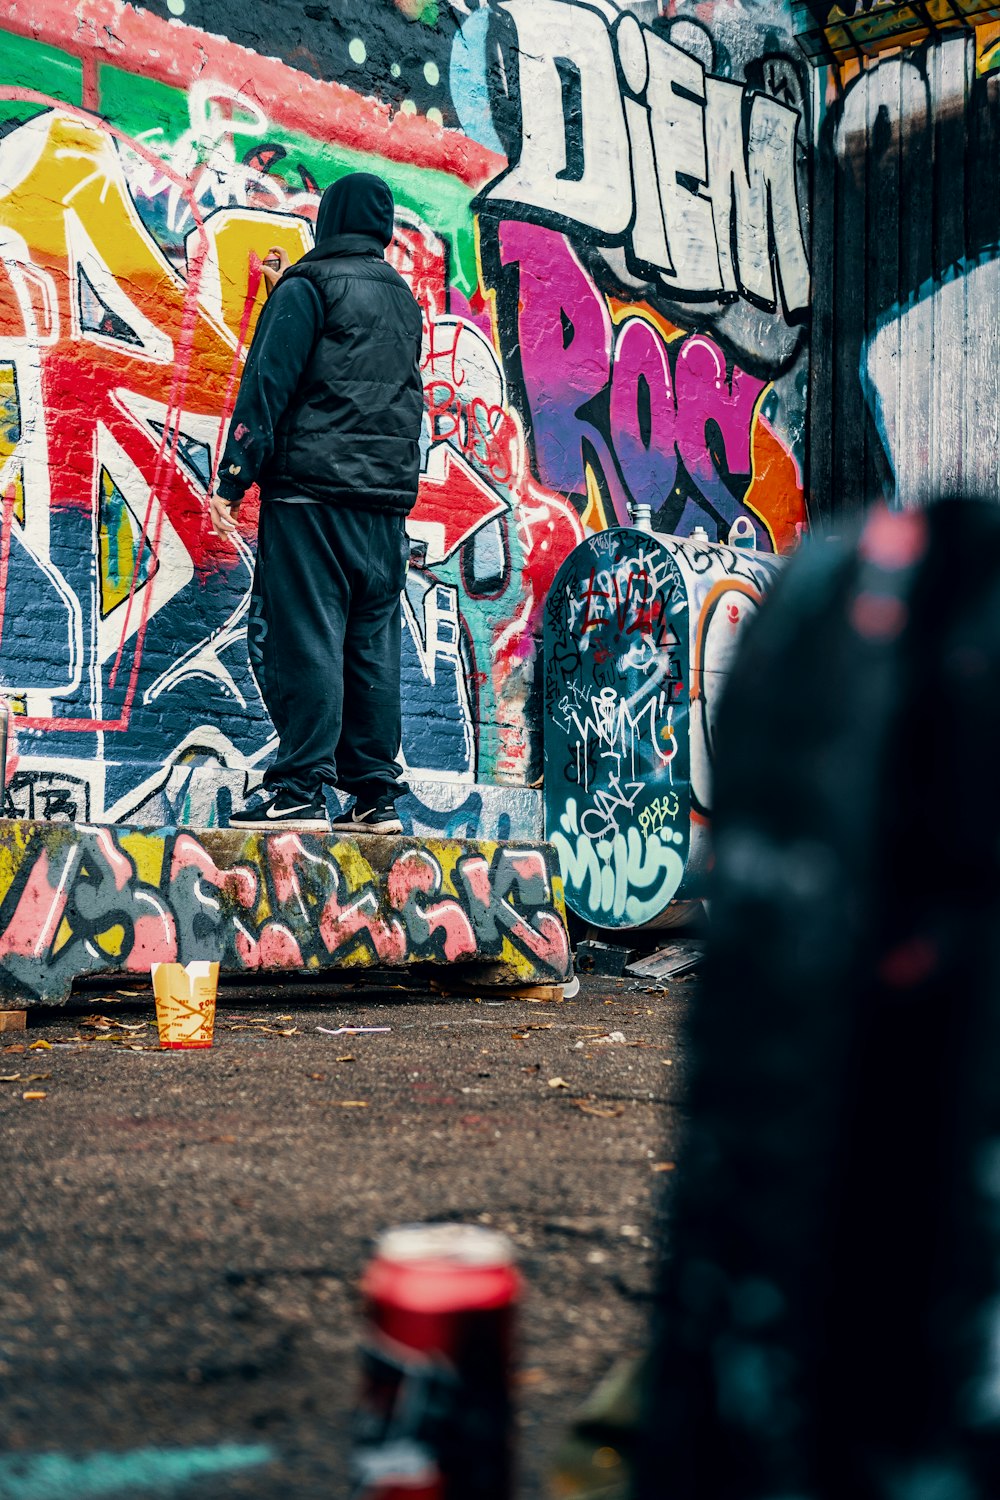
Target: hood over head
(359, 203)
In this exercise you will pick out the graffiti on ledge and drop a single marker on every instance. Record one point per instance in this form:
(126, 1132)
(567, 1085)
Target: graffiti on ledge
(85, 900)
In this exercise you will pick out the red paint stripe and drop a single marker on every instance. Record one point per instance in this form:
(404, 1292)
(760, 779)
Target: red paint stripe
(164, 463)
(171, 429)
(8, 521)
(74, 726)
(175, 54)
(90, 93)
(254, 278)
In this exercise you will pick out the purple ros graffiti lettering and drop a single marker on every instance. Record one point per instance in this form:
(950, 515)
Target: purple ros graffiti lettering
(663, 399)
(78, 904)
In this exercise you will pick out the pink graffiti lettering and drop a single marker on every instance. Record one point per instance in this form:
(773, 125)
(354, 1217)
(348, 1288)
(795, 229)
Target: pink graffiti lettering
(154, 937)
(35, 919)
(276, 948)
(341, 923)
(417, 874)
(77, 905)
(240, 882)
(664, 398)
(486, 888)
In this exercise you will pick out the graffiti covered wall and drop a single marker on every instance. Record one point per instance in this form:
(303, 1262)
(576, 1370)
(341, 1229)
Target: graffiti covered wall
(905, 389)
(602, 210)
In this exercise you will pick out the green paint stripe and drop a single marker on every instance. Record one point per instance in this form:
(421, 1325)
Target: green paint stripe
(55, 1476)
(27, 64)
(138, 105)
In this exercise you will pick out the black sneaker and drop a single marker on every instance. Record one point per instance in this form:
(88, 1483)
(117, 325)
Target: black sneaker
(370, 817)
(284, 810)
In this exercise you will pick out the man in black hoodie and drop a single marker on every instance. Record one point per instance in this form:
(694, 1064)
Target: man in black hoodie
(328, 424)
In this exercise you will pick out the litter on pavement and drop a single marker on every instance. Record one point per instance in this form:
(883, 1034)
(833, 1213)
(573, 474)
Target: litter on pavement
(669, 962)
(351, 1030)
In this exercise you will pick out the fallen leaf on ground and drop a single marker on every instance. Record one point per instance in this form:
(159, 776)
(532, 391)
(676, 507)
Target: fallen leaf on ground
(558, 1083)
(40, 1046)
(37, 1077)
(349, 1103)
(602, 1111)
(662, 1166)
(318, 1077)
(15, 1047)
(346, 1058)
(34, 1094)
(9, 1077)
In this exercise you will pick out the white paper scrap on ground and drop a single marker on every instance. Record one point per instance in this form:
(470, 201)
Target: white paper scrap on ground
(351, 1030)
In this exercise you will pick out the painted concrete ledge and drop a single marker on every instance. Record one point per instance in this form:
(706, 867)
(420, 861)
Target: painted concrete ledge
(77, 899)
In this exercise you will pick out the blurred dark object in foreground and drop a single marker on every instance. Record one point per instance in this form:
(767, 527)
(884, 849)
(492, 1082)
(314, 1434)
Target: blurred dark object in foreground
(830, 1316)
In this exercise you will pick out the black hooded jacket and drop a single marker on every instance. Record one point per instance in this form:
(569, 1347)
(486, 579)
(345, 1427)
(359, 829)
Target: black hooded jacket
(331, 398)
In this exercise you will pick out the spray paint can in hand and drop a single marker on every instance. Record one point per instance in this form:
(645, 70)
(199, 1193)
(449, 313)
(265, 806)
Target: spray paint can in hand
(435, 1417)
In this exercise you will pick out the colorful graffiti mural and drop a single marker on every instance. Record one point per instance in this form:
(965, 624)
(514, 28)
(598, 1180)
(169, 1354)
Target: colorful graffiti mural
(586, 350)
(640, 636)
(85, 900)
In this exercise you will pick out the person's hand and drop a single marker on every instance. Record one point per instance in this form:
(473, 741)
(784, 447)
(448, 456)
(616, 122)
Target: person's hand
(224, 514)
(275, 266)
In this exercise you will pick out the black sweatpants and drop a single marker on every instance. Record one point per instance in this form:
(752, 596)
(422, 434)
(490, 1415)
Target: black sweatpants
(324, 644)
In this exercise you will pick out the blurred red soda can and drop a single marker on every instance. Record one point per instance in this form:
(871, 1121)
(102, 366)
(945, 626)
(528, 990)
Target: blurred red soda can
(434, 1421)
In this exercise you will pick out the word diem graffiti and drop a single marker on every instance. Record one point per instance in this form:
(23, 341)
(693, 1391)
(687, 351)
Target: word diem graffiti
(628, 136)
(617, 770)
(82, 900)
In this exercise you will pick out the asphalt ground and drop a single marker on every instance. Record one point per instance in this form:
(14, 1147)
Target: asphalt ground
(183, 1233)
